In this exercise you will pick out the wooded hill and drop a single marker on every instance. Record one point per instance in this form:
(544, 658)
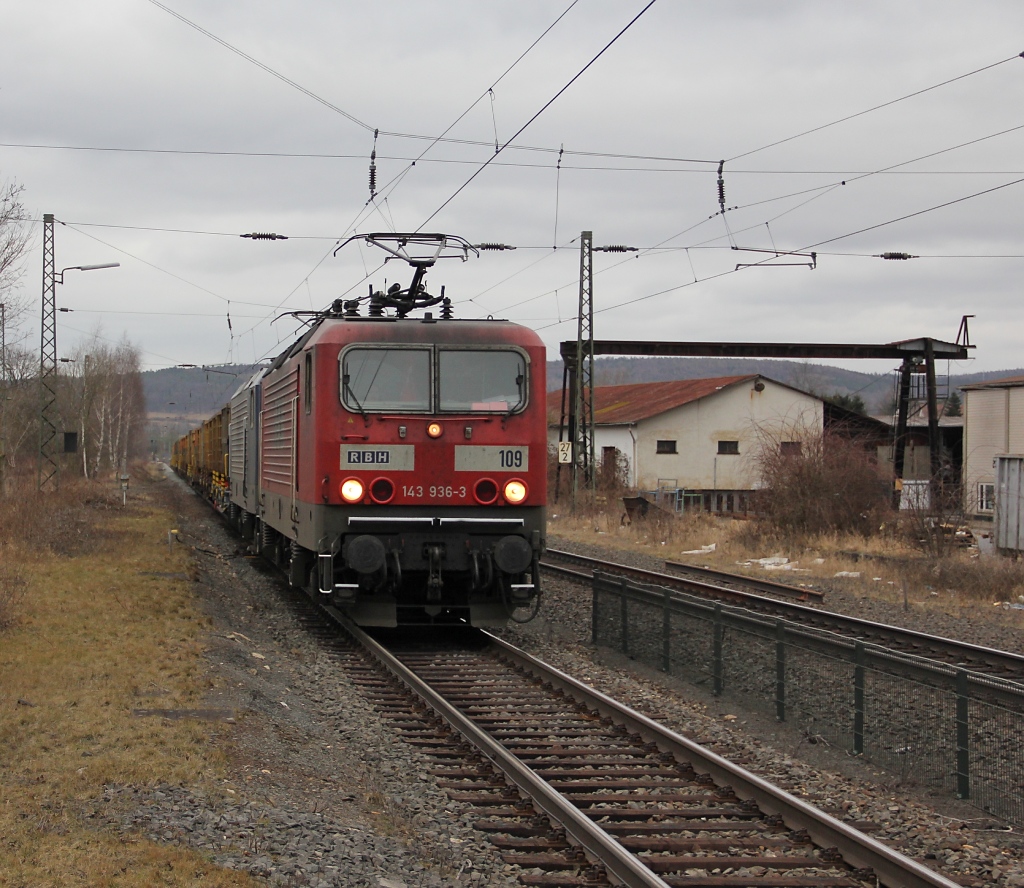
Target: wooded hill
(178, 398)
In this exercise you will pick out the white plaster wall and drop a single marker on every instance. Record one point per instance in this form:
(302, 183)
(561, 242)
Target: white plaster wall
(606, 436)
(738, 413)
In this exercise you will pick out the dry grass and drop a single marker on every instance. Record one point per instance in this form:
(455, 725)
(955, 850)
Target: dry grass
(892, 567)
(101, 629)
(12, 594)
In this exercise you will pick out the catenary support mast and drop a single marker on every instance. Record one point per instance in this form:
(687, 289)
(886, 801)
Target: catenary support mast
(49, 457)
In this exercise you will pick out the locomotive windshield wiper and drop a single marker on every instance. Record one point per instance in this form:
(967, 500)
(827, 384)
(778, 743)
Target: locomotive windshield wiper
(355, 400)
(520, 379)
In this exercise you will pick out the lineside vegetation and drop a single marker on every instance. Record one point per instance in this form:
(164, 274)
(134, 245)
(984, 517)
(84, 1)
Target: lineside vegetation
(96, 619)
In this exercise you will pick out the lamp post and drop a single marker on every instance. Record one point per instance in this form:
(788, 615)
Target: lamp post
(49, 462)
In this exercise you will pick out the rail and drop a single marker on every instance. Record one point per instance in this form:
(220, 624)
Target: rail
(863, 859)
(999, 664)
(948, 726)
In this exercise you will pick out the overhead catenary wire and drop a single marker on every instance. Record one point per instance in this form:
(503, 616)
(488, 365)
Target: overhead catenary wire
(390, 186)
(400, 135)
(546, 165)
(646, 249)
(876, 107)
(537, 114)
(488, 92)
(812, 246)
(732, 172)
(259, 64)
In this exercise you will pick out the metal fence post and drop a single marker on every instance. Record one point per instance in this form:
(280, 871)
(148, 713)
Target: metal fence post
(780, 670)
(624, 615)
(718, 638)
(666, 633)
(963, 737)
(858, 698)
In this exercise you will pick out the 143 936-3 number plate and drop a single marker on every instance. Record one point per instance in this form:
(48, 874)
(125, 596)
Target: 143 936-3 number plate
(434, 491)
(490, 458)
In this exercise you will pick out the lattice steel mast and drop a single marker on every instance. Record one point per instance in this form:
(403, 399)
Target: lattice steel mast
(583, 394)
(49, 459)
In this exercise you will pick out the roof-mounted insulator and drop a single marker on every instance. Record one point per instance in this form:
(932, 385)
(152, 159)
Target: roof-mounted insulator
(896, 256)
(373, 167)
(494, 247)
(615, 248)
(265, 235)
(446, 308)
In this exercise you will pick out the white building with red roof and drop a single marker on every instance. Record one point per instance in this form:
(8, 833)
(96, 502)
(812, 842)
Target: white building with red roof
(700, 438)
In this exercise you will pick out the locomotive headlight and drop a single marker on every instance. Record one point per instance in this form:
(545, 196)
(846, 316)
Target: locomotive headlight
(515, 491)
(434, 430)
(351, 490)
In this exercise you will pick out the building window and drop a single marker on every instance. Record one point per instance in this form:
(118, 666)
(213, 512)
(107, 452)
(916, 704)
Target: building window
(986, 497)
(790, 448)
(666, 447)
(728, 446)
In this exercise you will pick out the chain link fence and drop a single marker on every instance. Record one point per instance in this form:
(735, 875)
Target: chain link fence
(946, 728)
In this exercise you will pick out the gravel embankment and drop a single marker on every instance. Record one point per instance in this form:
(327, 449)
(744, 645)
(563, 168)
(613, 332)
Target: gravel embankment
(322, 794)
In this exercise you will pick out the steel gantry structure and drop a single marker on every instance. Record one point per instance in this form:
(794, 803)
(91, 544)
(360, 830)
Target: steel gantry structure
(915, 356)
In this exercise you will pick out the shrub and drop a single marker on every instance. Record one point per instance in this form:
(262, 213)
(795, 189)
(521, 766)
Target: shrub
(829, 483)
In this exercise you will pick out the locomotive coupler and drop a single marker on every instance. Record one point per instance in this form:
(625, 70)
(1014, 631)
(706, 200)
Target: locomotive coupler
(434, 553)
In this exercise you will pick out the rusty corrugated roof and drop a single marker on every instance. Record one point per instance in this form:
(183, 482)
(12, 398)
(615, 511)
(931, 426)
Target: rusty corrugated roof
(622, 404)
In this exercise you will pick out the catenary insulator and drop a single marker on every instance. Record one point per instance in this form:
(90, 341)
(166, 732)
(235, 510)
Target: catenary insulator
(896, 256)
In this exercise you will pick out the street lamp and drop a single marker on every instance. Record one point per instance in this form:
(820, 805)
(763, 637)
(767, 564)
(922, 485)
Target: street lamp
(49, 464)
(59, 277)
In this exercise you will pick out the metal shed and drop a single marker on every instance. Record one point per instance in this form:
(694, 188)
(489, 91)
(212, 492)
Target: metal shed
(1009, 504)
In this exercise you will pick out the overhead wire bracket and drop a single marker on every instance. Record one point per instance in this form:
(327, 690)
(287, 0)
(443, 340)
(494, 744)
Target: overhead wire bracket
(813, 256)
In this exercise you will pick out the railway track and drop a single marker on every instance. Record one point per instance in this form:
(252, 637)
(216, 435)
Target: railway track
(705, 580)
(577, 789)
(753, 594)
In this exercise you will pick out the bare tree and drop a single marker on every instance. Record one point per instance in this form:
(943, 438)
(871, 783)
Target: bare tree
(14, 242)
(106, 404)
(15, 238)
(19, 406)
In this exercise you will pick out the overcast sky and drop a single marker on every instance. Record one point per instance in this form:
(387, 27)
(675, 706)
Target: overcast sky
(157, 145)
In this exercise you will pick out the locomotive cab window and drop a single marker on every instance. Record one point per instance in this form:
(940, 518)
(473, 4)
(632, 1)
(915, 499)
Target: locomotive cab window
(481, 381)
(392, 379)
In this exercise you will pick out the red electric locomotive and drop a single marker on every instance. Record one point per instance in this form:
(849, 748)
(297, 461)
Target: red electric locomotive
(397, 465)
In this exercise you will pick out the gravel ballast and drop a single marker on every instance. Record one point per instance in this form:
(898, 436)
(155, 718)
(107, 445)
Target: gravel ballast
(321, 793)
